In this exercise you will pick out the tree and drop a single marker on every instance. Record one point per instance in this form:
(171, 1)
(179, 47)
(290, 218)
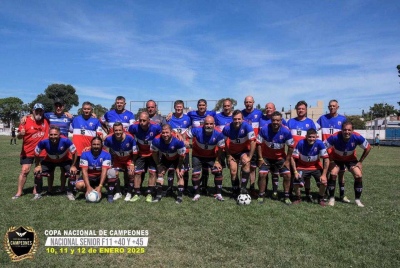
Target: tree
(11, 109)
(98, 109)
(358, 123)
(382, 110)
(220, 103)
(67, 93)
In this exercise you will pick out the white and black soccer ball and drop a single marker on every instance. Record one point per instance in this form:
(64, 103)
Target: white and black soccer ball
(93, 197)
(243, 199)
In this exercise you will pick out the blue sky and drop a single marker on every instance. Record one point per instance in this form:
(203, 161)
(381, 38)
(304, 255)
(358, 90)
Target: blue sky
(276, 51)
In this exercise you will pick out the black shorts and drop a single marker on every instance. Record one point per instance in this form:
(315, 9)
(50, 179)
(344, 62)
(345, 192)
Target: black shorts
(144, 163)
(93, 181)
(307, 174)
(343, 165)
(274, 166)
(166, 164)
(48, 167)
(25, 160)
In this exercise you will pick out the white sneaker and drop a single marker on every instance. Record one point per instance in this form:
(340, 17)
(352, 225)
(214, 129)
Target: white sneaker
(331, 201)
(37, 197)
(70, 196)
(358, 203)
(117, 196)
(196, 197)
(219, 197)
(345, 199)
(127, 197)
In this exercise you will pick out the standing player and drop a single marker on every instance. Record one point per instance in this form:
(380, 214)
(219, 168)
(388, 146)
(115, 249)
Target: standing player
(308, 153)
(155, 118)
(344, 145)
(122, 148)
(224, 118)
(168, 152)
(96, 168)
(271, 143)
(60, 152)
(240, 144)
(13, 136)
(144, 133)
(207, 149)
(329, 125)
(252, 116)
(35, 129)
(84, 127)
(180, 124)
(266, 118)
(119, 114)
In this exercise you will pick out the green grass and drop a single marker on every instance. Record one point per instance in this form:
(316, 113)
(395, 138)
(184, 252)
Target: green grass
(210, 233)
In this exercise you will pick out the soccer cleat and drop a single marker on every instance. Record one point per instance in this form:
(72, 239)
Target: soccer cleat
(274, 195)
(70, 196)
(110, 198)
(15, 197)
(117, 196)
(260, 200)
(344, 199)
(156, 199)
(179, 200)
(287, 201)
(135, 198)
(358, 203)
(37, 197)
(331, 202)
(219, 197)
(322, 203)
(128, 197)
(149, 198)
(196, 197)
(310, 199)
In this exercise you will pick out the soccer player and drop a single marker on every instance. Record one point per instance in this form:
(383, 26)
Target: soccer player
(252, 116)
(180, 124)
(122, 148)
(96, 168)
(60, 152)
(240, 143)
(84, 127)
(168, 152)
(155, 118)
(344, 145)
(207, 146)
(144, 133)
(271, 142)
(308, 153)
(329, 124)
(35, 129)
(225, 117)
(13, 136)
(119, 114)
(266, 118)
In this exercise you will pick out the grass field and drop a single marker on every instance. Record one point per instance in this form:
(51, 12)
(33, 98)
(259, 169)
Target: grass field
(220, 234)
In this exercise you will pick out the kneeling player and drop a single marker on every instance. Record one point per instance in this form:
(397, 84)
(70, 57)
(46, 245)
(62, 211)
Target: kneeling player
(307, 153)
(168, 152)
(95, 165)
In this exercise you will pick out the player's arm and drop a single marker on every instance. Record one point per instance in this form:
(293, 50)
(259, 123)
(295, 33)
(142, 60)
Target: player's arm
(156, 159)
(73, 170)
(288, 157)
(179, 169)
(252, 148)
(38, 166)
(85, 176)
(325, 166)
(102, 179)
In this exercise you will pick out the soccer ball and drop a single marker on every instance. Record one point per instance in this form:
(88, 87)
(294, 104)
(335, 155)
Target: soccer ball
(93, 197)
(243, 199)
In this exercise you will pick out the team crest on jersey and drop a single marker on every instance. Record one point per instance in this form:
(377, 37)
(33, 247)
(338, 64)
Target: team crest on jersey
(172, 147)
(62, 148)
(242, 131)
(280, 137)
(125, 117)
(353, 144)
(255, 116)
(90, 124)
(151, 134)
(101, 159)
(65, 120)
(127, 145)
(307, 125)
(185, 122)
(315, 149)
(339, 123)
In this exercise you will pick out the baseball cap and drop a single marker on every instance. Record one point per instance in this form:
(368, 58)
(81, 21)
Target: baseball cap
(38, 106)
(60, 101)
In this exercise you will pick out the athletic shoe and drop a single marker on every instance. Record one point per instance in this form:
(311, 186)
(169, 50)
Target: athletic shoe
(117, 196)
(196, 197)
(331, 201)
(15, 197)
(344, 199)
(297, 201)
(135, 198)
(219, 197)
(70, 196)
(37, 197)
(287, 201)
(260, 200)
(358, 202)
(110, 198)
(275, 196)
(149, 198)
(310, 199)
(179, 200)
(127, 197)
(322, 203)
(156, 199)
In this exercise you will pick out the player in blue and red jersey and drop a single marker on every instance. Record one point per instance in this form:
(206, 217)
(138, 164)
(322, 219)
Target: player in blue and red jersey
(224, 118)
(198, 116)
(266, 117)
(271, 142)
(344, 145)
(119, 114)
(240, 143)
(96, 168)
(60, 152)
(308, 153)
(144, 133)
(168, 152)
(330, 124)
(207, 144)
(122, 148)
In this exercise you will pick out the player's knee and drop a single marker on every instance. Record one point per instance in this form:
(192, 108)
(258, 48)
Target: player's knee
(80, 186)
